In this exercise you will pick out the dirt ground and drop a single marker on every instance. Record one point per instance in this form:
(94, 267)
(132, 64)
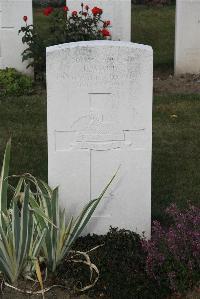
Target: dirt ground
(62, 294)
(170, 84)
(56, 294)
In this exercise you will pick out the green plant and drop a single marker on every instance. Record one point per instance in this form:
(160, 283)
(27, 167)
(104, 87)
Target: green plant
(60, 235)
(20, 242)
(14, 83)
(64, 27)
(35, 53)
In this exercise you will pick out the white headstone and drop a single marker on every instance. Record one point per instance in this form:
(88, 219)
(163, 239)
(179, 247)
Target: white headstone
(99, 117)
(11, 20)
(187, 48)
(117, 11)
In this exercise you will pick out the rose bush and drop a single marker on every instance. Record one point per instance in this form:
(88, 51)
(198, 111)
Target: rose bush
(65, 26)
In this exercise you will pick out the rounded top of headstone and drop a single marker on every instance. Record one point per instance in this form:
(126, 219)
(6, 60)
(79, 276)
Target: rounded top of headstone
(98, 43)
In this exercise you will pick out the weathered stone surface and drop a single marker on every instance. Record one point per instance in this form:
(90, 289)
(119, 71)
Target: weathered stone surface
(11, 20)
(187, 49)
(100, 117)
(117, 11)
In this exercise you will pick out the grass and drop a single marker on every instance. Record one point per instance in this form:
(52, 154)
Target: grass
(176, 143)
(155, 27)
(24, 119)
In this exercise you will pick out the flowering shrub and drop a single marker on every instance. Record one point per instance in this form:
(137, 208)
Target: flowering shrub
(173, 254)
(65, 27)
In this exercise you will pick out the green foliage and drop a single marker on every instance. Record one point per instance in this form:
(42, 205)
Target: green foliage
(14, 83)
(35, 53)
(60, 234)
(20, 242)
(3, 179)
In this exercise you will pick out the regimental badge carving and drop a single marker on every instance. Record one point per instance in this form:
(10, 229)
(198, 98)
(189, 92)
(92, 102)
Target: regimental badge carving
(98, 130)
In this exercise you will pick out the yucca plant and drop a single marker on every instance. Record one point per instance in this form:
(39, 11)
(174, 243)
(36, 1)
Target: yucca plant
(4, 180)
(60, 235)
(20, 241)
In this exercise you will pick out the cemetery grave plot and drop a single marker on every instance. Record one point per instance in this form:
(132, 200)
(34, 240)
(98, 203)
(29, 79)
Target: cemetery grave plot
(175, 152)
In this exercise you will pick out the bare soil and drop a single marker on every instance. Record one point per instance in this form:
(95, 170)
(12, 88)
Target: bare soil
(170, 84)
(57, 292)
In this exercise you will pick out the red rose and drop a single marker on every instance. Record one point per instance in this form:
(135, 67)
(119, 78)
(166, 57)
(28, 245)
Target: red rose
(65, 8)
(106, 23)
(84, 14)
(97, 11)
(47, 11)
(87, 7)
(74, 13)
(25, 18)
(105, 32)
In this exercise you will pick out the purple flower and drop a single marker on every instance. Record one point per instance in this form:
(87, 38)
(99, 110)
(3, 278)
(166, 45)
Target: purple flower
(173, 254)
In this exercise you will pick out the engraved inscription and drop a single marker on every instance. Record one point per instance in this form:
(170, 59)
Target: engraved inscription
(8, 27)
(128, 70)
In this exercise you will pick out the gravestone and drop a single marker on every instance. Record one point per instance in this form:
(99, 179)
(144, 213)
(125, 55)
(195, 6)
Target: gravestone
(99, 101)
(187, 45)
(11, 20)
(117, 11)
